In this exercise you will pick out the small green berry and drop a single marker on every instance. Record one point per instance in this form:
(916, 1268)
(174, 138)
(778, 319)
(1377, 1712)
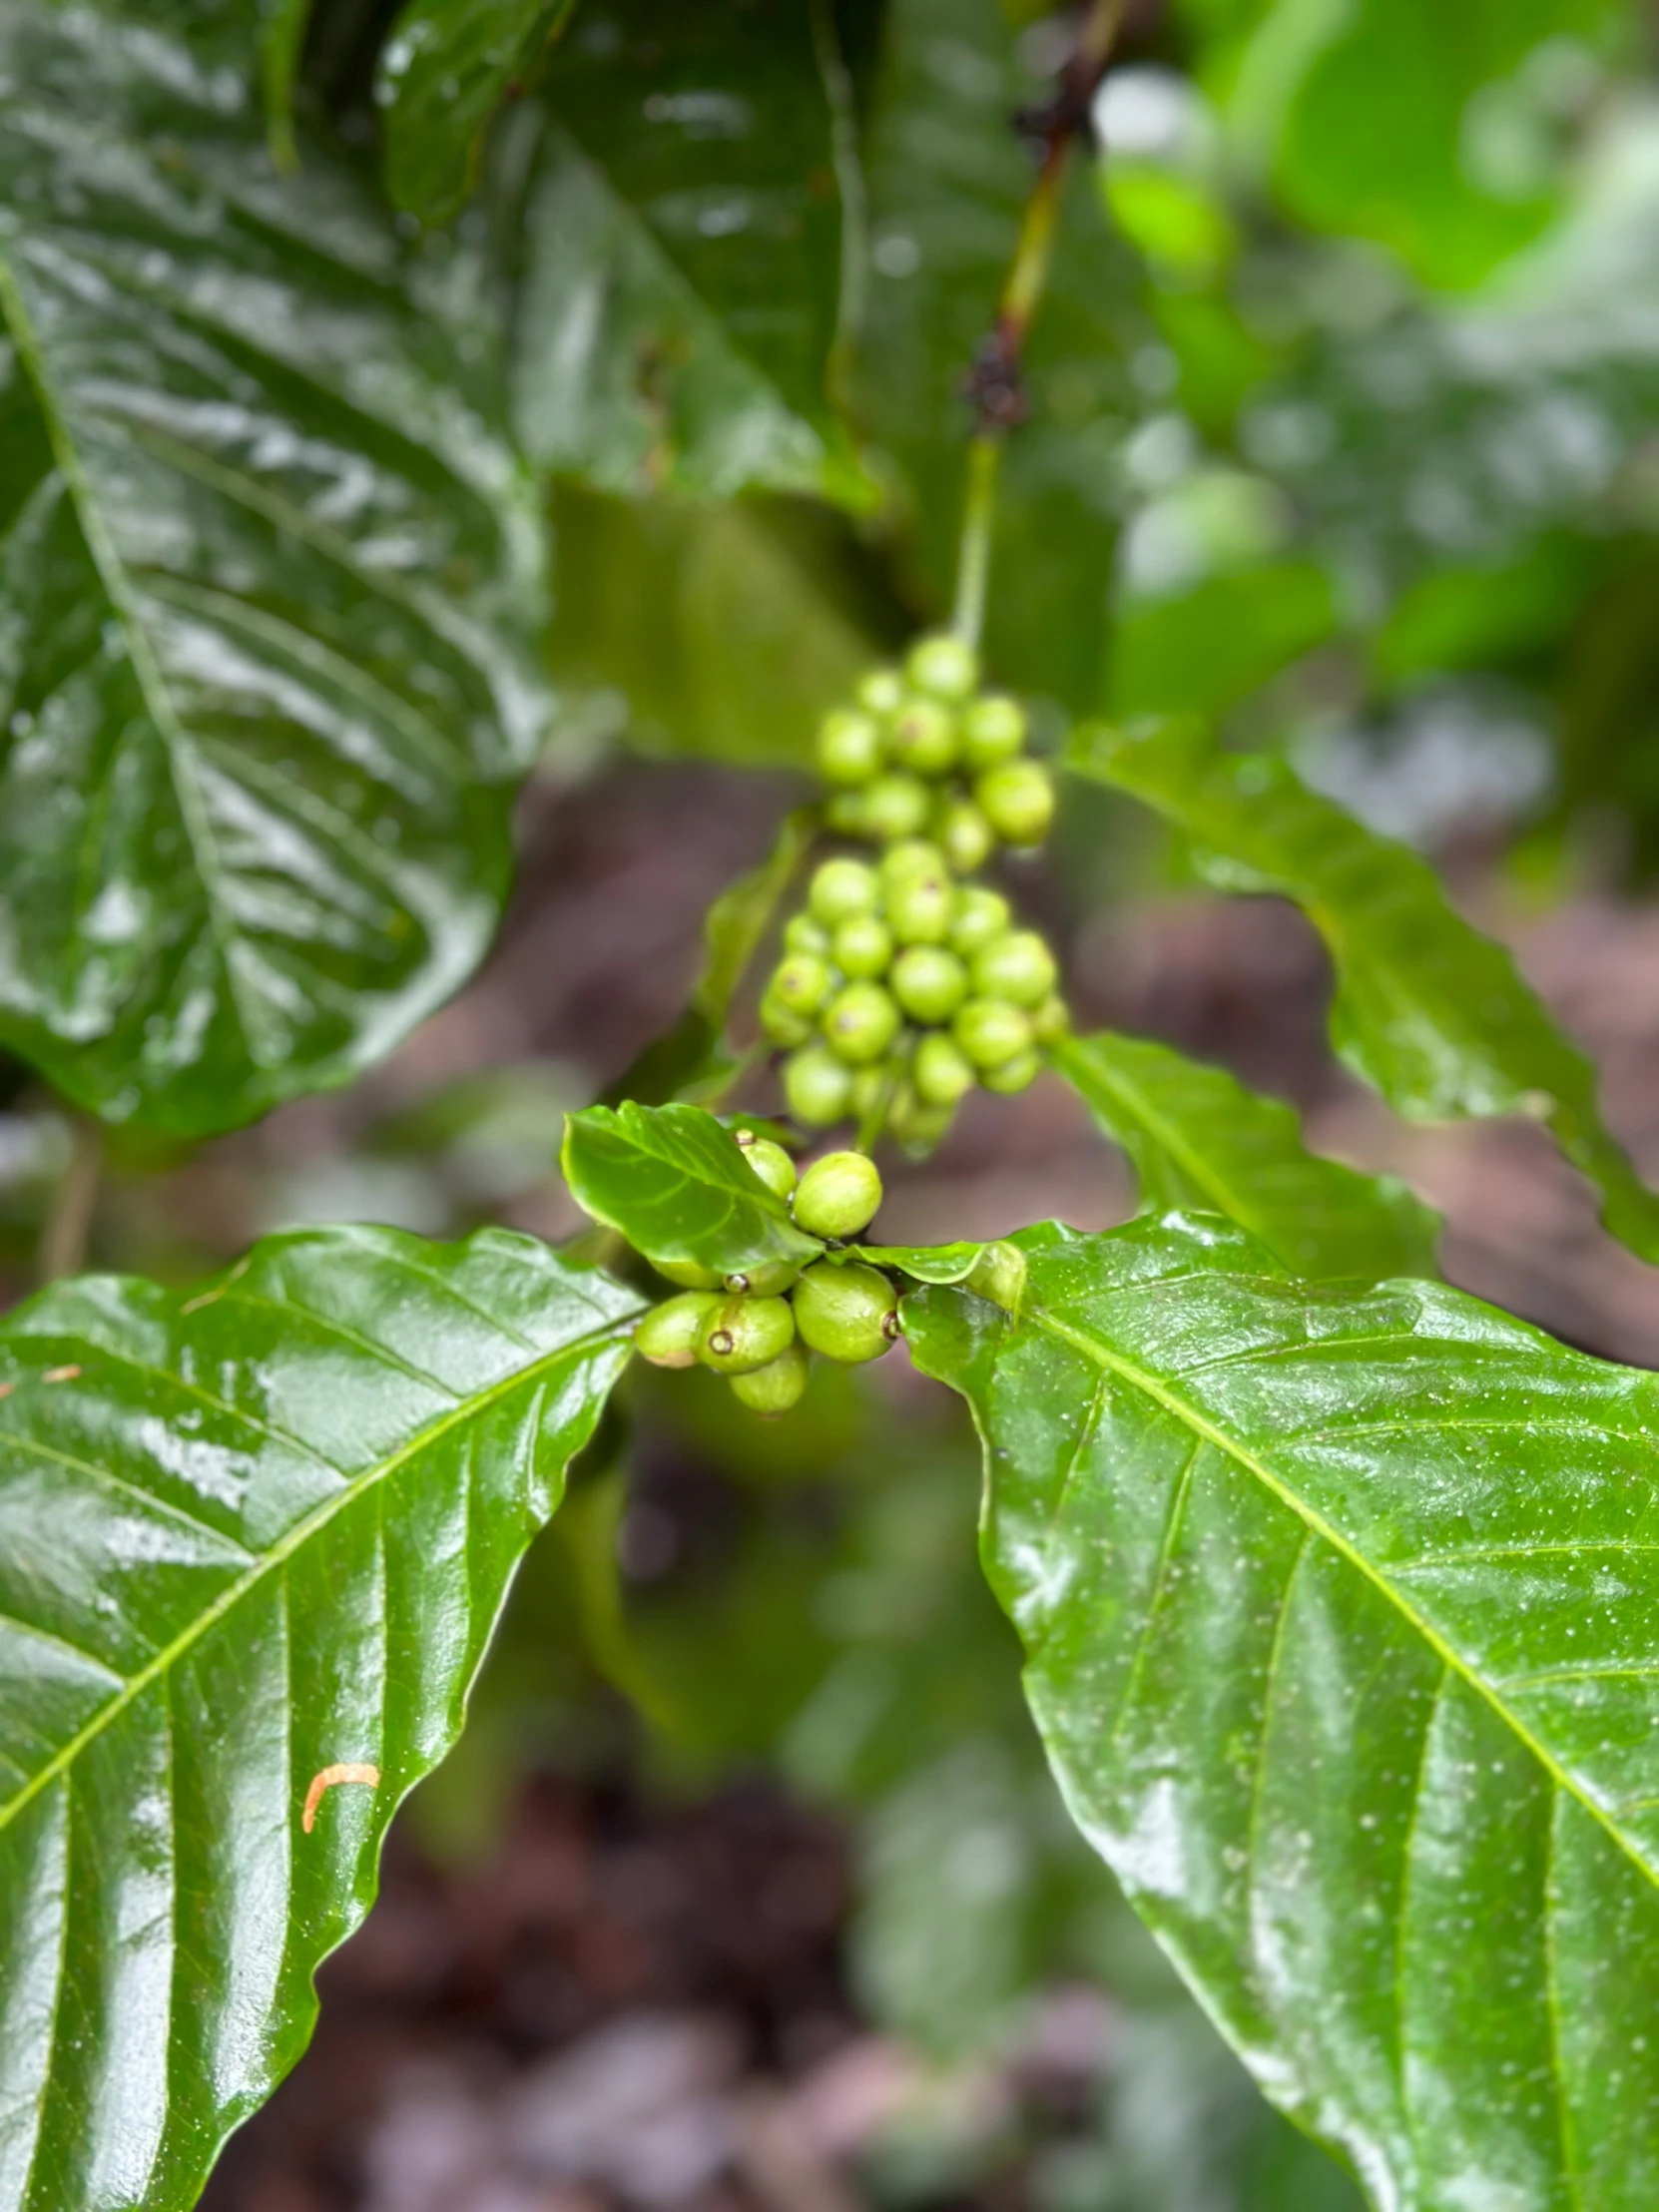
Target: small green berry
(845, 813)
(739, 1333)
(924, 737)
(802, 934)
(769, 1279)
(930, 982)
(848, 1313)
(1012, 1075)
(860, 1024)
(944, 667)
(941, 1071)
(882, 693)
(980, 915)
(1019, 967)
(917, 1126)
(893, 806)
(687, 1273)
(774, 1389)
(910, 857)
(966, 835)
(994, 730)
(841, 889)
(771, 1163)
(869, 1087)
(991, 1033)
(921, 910)
(802, 983)
(863, 947)
(1051, 1020)
(781, 1024)
(670, 1333)
(848, 748)
(1017, 799)
(818, 1086)
(838, 1195)
(999, 1274)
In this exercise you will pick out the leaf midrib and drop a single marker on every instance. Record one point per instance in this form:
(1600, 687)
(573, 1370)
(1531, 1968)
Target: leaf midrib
(278, 1555)
(1074, 1056)
(1201, 1425)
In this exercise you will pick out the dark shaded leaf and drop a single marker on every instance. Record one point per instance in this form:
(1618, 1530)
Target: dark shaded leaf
(271, 570)
(246, 1536)
(1197, 1138)
(1343, 1639)
(1427, 1010)
(444, 70)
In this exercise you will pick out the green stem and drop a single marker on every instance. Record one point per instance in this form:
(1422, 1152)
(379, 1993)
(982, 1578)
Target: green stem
(974, 564)
(68, 1230)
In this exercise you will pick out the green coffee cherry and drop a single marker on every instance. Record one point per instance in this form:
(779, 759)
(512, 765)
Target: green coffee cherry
(978, 918)
(802, 934)
(802, 982)
(841, 889)
(770, 1163)
(845, 813)
(917, 1126)
(869, 1086)
(924, 737)
(909, 857)
(991, 1033)
(849, 749)
(818, 1087)
(921, 910)
(671, 1333)
(687, 1273)
(994, 730)
(741, 1333)
(965, 835)
(944, 667)
(774, 1389)
(893, 806)
(863, 947)
(860, 1024)
(882, 693)
(941, 1071)
(929, 982)
(769, 1279)
(848, 1313)
(1017, 799)
(1009, 1076)
(999, 1274)
(1019, 967)
(1051, 1020)
(782, 1025)
(838, 1195)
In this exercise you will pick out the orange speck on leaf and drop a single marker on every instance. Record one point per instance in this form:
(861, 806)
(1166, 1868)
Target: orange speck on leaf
(326, 1780)
(61, 1374)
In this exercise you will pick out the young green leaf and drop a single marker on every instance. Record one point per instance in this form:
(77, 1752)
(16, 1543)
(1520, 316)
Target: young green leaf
(1431, 1013)
(677, 1186)
(252, 1542)
(270, 572)
(282, 26)
(692, 1051)
(684, 258)
(1196, 1137)
(1343, 1637)
(445, 68)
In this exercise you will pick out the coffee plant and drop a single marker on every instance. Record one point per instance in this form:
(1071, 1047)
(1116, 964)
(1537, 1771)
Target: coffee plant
(378, 403)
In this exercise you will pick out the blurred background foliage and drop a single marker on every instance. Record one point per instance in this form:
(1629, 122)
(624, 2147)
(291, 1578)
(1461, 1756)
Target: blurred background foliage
(1342, 431)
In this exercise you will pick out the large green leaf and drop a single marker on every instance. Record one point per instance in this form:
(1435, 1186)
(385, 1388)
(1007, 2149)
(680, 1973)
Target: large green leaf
(269, 572)
(1343, 1635)
(1196, 1137)
(246, 1535)
(675, 1183)
(1430, 1011)
(684, 214)
(444, 71)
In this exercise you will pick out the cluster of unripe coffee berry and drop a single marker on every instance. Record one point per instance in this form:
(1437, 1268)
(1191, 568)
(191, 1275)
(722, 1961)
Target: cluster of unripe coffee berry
(759, 1329)
(902, 986)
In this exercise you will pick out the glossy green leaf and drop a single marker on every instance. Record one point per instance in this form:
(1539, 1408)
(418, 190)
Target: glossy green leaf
(951, 1263)
(677, 1186)
(445, 68)
(1343, 1637)
(1204, 650)
(1196, 1137)
(693, 1053)
(685, 209)
(1427, 1010)
(246, 1536)
(271, 570)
